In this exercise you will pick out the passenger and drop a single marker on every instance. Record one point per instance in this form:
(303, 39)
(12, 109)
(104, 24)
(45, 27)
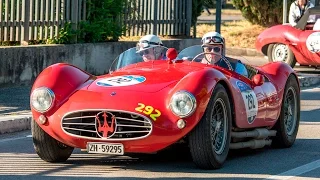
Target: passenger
(150, 47)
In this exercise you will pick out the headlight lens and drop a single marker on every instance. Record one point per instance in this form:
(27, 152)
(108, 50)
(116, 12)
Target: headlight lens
(42, 99)
(183, 103)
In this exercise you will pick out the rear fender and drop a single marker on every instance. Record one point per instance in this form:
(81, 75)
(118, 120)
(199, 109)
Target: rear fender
(278, 73)
(63, 79)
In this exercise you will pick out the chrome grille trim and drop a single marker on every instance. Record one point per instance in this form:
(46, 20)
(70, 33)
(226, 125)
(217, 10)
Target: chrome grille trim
(128, 125)
(88, 124)
(79, 129)
(79, 117)
(132, 120)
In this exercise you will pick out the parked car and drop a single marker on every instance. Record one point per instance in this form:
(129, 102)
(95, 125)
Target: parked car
(293, 44)
(145, 107)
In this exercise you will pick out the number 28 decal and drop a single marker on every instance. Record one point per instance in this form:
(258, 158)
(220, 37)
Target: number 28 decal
(148, 110)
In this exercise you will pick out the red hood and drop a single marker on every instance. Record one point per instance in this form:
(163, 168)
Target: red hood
(143, 77)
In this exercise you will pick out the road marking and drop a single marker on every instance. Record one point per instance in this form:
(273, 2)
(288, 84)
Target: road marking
(297, 171)
(13, 139)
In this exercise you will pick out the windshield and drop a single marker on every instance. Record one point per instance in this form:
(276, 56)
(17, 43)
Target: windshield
(129, 57)
(190, 52)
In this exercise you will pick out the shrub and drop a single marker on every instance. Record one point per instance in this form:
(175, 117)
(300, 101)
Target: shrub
(262, 12)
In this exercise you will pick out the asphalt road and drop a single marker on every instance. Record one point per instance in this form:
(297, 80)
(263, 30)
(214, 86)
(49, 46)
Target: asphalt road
(302, 161)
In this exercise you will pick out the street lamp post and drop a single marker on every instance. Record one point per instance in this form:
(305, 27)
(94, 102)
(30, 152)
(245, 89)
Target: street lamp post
(218, 16)
(284, 18)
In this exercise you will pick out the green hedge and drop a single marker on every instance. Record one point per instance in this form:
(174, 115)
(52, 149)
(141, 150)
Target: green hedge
(262, 12)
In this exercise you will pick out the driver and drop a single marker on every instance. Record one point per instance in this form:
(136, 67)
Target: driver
(150, 47)
(214, 42)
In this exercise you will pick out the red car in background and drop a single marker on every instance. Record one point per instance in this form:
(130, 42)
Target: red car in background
(145, 107)
(293, 44)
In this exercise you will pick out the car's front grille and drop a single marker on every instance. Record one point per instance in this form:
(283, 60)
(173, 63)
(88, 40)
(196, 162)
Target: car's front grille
(106, 124)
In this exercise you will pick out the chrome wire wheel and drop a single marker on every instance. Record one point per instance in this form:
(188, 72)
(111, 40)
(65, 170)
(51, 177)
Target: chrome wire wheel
(218, 128)
(280, 52)
(290, 111)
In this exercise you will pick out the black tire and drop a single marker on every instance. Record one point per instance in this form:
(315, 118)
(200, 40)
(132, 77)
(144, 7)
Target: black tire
(288, 122)
(283, 52)
(203, 152)
(48, 148)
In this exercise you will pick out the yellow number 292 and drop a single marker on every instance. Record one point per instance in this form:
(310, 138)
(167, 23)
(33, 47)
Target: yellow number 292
(148, 110)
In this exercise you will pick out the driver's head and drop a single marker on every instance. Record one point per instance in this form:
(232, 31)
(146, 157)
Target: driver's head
(150, 47)
(213, 43)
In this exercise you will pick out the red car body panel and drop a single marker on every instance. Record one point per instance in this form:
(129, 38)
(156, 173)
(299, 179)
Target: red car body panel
(76, 90)
(294, 38)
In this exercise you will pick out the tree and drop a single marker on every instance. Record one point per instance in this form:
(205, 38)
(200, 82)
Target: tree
(197, 6)
(262, 12)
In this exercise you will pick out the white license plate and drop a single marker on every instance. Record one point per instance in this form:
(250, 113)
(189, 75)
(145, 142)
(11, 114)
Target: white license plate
(105, 148)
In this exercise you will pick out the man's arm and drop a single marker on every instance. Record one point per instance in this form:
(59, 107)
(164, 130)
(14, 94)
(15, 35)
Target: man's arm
(292, 16)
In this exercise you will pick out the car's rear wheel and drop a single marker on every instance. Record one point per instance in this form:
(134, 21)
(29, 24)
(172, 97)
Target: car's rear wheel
(281, 52)
(48, 148)
(209, 141)
(288, 122)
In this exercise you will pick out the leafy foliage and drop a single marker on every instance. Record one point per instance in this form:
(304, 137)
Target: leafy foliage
(102, 24)
(197, 6)
(262, 12)
(103, 21)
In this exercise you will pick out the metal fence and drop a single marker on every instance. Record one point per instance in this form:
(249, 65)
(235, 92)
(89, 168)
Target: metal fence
(25, 20)
(162, 17)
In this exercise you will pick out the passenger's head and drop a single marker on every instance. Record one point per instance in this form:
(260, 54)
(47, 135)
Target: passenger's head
(150, 47)
(213, 42)
(302, 2)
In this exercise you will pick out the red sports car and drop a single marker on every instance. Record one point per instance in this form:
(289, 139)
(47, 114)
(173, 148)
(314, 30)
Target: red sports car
(293, 44)
(144, 107)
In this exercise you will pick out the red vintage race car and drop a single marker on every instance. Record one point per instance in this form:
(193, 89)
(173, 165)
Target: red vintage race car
(145, 107)
(293, 44)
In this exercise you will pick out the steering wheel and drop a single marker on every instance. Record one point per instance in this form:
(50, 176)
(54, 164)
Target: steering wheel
(214, 58)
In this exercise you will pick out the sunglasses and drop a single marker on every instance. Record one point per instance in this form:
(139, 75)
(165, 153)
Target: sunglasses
(215, 49)
(212, 39)
(144, 52)
(146, 44)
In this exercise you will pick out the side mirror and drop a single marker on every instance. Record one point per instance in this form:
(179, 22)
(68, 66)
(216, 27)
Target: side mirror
(171, 54)
(258, 79)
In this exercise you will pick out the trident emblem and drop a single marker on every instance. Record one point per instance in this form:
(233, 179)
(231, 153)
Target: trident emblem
(104, 128)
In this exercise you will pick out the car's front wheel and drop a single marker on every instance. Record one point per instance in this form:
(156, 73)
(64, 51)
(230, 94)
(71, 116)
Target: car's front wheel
(288, 122)
(281, 52)
(48, 148)
(209, 141)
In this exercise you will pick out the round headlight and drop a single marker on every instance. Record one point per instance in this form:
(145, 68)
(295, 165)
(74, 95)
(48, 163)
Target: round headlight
(42, 99)
(183, 103)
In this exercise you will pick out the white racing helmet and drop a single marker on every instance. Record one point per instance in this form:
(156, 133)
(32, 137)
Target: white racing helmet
(150, 41)
(213, 38)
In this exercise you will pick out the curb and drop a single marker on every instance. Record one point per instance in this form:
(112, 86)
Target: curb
(9, 124)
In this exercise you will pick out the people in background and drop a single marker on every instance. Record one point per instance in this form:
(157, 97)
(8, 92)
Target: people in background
(297, 9)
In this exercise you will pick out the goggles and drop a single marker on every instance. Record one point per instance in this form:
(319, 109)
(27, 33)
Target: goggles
(215, 49)
(146, 44)
(212, 40)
